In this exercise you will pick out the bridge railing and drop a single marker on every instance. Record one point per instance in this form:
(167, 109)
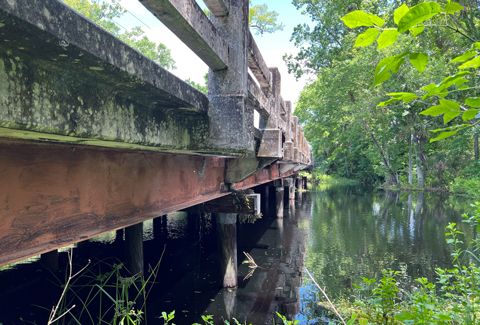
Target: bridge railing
(282, 137)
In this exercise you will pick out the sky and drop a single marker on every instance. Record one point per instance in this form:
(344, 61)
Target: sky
(189, 66)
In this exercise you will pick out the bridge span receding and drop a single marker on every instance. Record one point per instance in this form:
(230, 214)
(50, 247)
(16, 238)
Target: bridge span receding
(96, 137)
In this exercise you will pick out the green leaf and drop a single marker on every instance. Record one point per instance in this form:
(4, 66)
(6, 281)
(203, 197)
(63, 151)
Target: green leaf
(470, 114)
(392, 63)
(435, 110)
(418, 14)
(464, 87)
(419, 61)
(391, 100)
(417, 29)
(444, 317)
(443, 135)
(476, 45)
(376, 20)
(403, 316)
(452, 7)
(465, 56)
(406, 97)
(399, 13)
(352, 319)
(454, 106)
(387, 38)
(473, 101)
(367, 38)
(357, 18)
(450, 115)
(471, 64)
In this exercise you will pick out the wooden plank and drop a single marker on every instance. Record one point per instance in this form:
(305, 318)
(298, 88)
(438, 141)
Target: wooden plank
(257, 64)
(217, 8)
(189, 23)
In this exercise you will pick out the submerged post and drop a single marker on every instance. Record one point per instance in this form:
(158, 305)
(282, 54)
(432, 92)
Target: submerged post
(134, 249)
(227, 248)
(50, 260)
(279, 193)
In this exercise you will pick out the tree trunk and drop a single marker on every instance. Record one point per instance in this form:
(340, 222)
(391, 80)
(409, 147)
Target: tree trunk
(382, 154)
(418, 162)
(475, 137)
(410, 165)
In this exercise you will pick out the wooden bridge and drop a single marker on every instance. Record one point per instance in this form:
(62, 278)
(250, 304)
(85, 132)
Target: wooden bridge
(96, 137)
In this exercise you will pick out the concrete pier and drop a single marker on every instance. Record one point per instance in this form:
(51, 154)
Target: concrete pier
(227, 248)
(279, 194)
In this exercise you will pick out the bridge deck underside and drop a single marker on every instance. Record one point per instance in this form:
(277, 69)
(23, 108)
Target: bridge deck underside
(57, 194)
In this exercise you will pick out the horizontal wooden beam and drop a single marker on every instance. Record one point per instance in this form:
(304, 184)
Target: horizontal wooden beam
(233, 203)
(217, 8)
(189, 23)
(257, 64)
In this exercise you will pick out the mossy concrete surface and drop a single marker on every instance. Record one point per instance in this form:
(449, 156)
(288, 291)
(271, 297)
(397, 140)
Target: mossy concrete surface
(64, 79)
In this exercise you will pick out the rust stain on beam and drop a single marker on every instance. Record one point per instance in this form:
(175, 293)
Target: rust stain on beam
(55, 195)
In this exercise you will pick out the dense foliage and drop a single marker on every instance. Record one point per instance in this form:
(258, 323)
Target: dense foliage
(350, 133)
(103, 13)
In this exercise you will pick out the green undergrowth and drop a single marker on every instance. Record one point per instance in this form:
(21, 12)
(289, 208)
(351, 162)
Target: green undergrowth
(316, 177)
(453, 298)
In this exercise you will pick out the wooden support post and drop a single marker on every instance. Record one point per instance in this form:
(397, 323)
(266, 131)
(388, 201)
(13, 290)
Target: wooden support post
(279, 193)
(50, 260)
(291, 193)
(291, 207)
(134, 249)
(299, 188)
(227, 248)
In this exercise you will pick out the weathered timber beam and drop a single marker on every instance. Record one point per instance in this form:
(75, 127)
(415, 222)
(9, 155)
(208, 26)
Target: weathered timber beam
(262, 103)
(217, 8)
(233, 203)
(257, 64)
(61, 194)
(189, 23)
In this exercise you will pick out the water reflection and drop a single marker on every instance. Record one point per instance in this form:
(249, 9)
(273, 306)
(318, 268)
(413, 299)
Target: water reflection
(357, 233)
(188, 278)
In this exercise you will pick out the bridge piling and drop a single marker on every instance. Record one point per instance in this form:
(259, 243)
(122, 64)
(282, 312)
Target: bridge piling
(134, 249)
(227, 248)
(50, 260)
(279, 194)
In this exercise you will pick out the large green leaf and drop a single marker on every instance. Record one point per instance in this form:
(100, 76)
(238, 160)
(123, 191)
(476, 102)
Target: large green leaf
(387, 38)
(454, 106)
(392, 63)
(357, 18)
(435, 110)
(473, 101)
(465, 56)
(417, 29)
(419, 61)
(406, 97)
(450, 115)
(452, 7)
(475, 63)
(367, 38)
(418, 14)
(470, 114)
(442, 108)
(376, 20)
(399, 13)
(443, 136)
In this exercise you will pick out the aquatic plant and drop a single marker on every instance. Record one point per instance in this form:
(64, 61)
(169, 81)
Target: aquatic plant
(453, 299)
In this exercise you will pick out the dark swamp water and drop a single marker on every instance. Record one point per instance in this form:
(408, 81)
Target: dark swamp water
(340, 233)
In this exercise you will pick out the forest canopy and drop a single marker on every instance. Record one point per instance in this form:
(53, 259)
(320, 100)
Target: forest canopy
(361, 51)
